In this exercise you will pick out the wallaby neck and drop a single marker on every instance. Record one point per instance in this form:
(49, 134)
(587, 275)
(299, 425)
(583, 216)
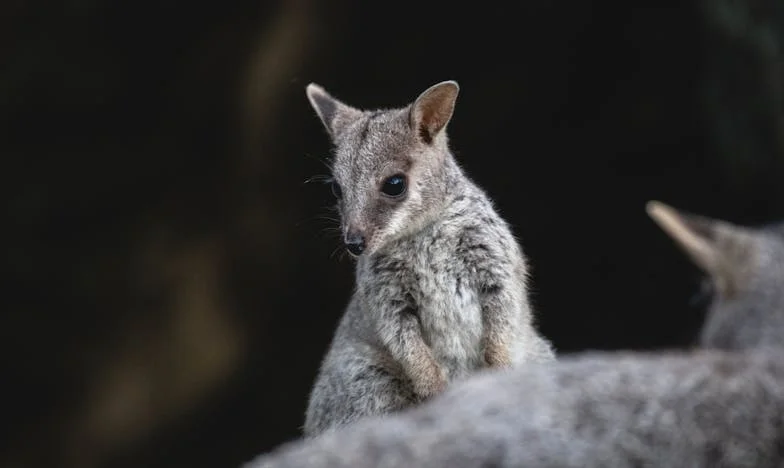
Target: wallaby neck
(453, 182)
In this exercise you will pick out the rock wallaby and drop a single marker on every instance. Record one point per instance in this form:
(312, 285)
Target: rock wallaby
(440, 279)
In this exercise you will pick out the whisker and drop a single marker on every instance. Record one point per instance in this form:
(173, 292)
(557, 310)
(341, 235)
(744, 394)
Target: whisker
(336, 250)
(328, 214)
(324, 161)
(334, 235)
(327, 218)
(343, 255)
(322, 178)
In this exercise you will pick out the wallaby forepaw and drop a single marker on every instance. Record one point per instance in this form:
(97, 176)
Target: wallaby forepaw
(498, 356)
(431, 384)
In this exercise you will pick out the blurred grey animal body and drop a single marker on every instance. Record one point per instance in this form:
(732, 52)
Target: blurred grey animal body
(721, 405)
(707, 409)
(745, 267)
(440, 279)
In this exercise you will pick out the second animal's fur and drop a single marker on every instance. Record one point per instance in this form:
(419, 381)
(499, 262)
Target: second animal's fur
(718, 407)
(745, 269)
(440, 279)
(707, 409)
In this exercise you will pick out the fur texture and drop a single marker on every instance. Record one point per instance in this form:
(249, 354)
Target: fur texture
(722, 406)
(440, 279)
(707, 409)
(745, 268)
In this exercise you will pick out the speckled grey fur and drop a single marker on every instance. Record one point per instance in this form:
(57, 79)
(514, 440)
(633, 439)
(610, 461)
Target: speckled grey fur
(705, 409)
(745, 267)
(441, 287)
(722, 406)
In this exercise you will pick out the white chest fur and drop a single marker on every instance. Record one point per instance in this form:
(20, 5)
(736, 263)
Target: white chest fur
(451, 320)
(447, 303)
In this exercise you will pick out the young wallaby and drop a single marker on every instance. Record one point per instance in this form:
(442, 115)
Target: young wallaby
(718, 407)
(440, 280)
(746, 268)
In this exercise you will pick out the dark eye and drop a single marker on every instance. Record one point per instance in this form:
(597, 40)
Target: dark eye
(394, 186)
(335, 186)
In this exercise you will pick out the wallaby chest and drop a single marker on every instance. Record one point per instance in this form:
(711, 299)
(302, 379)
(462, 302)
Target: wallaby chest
(440, 288)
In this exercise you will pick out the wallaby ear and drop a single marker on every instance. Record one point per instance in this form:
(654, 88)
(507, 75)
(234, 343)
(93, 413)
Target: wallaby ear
(719, 248)
(335, 115)
(432, 109)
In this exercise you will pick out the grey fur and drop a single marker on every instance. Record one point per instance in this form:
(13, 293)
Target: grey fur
(441, 288)
(705, 408)
(746, 268)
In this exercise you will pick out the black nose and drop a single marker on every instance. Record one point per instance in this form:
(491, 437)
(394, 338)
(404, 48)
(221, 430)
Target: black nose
(355, 243)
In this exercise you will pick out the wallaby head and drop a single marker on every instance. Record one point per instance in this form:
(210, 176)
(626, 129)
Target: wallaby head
(746, 268)
(388, 170)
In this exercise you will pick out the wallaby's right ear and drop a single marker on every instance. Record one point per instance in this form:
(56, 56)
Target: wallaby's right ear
(335, 115)
(721, 249)
(433, 109)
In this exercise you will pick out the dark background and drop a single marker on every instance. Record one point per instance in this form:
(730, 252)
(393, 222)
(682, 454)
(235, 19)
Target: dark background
(170, 285)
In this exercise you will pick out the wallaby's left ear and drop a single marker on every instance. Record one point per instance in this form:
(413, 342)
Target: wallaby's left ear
(432, 109)
(335, 115)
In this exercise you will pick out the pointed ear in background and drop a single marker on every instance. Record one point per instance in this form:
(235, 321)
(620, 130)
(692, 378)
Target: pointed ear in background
(721, 249)
(335, 115)
(432, 110)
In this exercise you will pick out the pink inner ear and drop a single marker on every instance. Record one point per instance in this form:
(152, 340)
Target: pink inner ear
(434, 117)
(434, 111)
